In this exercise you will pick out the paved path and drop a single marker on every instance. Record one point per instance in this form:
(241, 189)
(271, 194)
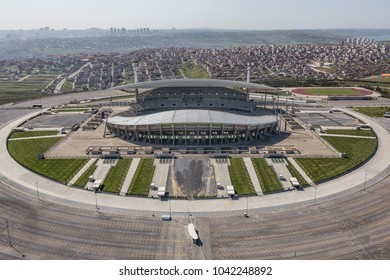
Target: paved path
(130, 174)
(222, 176)
(81, 172)
(101, 171)
(160, 176)
(252, 174)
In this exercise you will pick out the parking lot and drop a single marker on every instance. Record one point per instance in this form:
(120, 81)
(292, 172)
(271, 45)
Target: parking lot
(317, 119)
(56, 120)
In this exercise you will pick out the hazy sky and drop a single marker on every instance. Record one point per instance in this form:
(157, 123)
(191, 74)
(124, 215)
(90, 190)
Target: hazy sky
(224, 14)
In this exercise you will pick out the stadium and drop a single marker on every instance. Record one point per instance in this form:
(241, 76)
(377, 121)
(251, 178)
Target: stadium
(194, 112)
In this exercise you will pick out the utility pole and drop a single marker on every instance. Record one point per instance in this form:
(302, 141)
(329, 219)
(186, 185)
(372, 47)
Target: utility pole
(246, 214)
(315, 194)
(36, 184)
(9, 236)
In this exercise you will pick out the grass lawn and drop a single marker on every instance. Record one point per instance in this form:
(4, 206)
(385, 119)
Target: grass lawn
(357, 150)
(26, 152)
(267, 177)
(375, 112)
(82, 181)
(331, 91)
(294, 172)
(29, 88)
(22, 134)
(191, 70)
(240, 178)
(116, 176)
(351, 132)
(142, 178)
(67, 87)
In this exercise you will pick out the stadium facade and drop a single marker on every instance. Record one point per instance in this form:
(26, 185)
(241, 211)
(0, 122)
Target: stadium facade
(194, 112)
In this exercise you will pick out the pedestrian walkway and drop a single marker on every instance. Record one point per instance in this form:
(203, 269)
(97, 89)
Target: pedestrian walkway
(347, 136)
(81, 172)
(36, 137)
(160, 176)
(222, 176)
(130, 174)
(253, 175)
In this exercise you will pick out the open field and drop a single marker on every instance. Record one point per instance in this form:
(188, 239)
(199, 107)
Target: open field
(82, 181)
(356, 132)
(267, 177)
(22, 134)
(26, 153)
(142, 178)
(375, 112)
(240, 178)
(191, 70)
(116, 176)
(330, 91)
(29, 88)
(357, 151)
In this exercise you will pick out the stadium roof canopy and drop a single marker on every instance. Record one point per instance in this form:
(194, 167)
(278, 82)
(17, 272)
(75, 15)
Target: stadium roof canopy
(192, 116)
(195, 83)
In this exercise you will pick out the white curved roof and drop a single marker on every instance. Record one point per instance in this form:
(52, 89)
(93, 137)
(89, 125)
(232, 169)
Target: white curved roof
(194, 83)
(192, 116)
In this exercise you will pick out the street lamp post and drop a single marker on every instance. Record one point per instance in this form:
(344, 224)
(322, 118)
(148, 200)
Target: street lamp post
(246, 214)
(315, 195)
(36, 185)
(365, 182)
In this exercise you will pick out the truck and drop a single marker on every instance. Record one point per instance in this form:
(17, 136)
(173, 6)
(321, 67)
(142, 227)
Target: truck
(294, 182)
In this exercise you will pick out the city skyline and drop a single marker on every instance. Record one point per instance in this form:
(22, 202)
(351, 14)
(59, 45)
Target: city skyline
(216, 14)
